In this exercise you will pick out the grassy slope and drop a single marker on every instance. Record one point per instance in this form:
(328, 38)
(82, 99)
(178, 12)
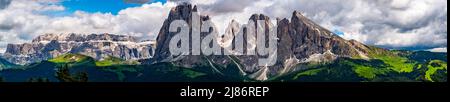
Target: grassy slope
(111, 61)
(384, 65)
(434, 66)
(69, 58)
(5, 64)
(392, 59)
(111, 70)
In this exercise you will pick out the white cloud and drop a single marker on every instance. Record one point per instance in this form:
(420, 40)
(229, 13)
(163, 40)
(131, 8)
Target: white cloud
(143, 21)
(23, 20)
(444, 49)
(223, 18)
(398, 24)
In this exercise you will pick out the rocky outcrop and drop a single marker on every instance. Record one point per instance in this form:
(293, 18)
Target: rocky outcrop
(97, 46)
(300, 40)
(183, 12)
(303, 41)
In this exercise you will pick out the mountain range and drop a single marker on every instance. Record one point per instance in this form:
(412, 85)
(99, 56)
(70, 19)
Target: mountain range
(97, 46)
(300, 41)
(306, 52)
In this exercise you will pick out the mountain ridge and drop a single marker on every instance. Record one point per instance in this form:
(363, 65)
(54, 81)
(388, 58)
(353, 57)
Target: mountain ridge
(300, 41)
(97, 46)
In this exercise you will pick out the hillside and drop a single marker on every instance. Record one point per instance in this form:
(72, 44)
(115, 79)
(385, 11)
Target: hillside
(391, 66)
(386, 68)
(4, 64)
(108, 70)
(97, 46)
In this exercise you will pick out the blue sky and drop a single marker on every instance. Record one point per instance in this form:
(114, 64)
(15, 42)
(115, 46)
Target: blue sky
(103, 6)
(338, 32)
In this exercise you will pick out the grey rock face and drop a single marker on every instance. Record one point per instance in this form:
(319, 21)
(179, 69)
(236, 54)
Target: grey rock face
(162, 54)
(97, 46)
(300, 40)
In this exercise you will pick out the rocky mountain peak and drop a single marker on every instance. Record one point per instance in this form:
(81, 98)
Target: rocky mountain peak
(183, 11)
(297, 14)
(256, 17)
(83, 38)
(96, 46)
(300, 40)
(232, 29)
(194, 9)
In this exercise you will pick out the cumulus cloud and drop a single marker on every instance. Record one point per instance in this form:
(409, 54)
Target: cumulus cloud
(143, 22)
(23, 20)
(444, 49)
(222, 18)
(395, 24)
(226, 6)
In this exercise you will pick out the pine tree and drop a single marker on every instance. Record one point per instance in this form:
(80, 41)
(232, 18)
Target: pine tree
(64, 75)
(2, 79)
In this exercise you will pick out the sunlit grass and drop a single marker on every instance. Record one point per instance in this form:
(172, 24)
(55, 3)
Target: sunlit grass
(307, 73)
(69, 58)
(434, 66)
